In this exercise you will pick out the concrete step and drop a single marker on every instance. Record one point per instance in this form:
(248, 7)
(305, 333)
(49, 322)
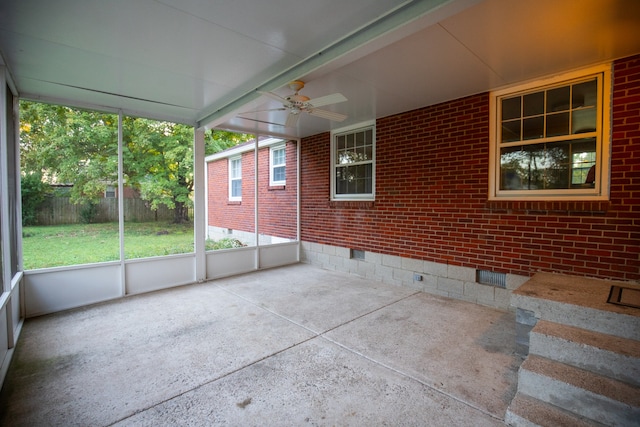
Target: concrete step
(607, 355)
(525, 411)
(578, 301)
(579, 391)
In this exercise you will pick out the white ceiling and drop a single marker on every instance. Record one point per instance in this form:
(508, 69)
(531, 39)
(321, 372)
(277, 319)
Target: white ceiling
(201, 61)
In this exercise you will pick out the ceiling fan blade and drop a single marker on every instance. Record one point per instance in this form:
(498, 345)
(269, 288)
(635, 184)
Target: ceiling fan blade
(292, 120)
(263, 111)
(336, 117)
(334, 98)
(274, 96)
(260, 121)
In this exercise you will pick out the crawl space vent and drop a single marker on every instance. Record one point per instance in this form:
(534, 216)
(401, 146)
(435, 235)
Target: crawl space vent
(491, 278)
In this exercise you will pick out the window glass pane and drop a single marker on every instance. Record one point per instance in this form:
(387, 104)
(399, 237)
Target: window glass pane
(279, 173)
(557, 124)
(279, 156)
(584, 120)
(584, 163)
(368, 135)
(514, 165)
(585, 94)
(368, 152)
(354, 179)
(236, 188)
(511, 131)
(533, 128)
(533, 104)
(558, 99)
(346, 156)
(236, 168)
(557, 165)
(511, 108)
(158, 188)
(68, 159)
(351, 143)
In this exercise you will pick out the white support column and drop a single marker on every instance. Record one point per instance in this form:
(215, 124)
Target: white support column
(5, 241)
(123, 284)
(298, 195)
(256, 186)
(18, 178)
(199, 204)
(5, 220)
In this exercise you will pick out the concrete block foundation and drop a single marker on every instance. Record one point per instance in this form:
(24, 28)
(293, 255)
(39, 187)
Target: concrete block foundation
(436, 278)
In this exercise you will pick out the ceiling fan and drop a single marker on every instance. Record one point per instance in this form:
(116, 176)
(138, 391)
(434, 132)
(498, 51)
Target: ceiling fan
(297, 104)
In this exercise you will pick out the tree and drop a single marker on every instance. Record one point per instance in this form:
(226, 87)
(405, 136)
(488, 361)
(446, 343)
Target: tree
(67, 146)
(71, 146)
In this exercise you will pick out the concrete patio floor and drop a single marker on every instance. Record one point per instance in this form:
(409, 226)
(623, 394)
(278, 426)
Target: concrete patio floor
(290, 346)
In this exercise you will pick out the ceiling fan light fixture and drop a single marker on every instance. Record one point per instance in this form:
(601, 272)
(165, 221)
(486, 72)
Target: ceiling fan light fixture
(297, 104)
(296, 98)
(296, 85)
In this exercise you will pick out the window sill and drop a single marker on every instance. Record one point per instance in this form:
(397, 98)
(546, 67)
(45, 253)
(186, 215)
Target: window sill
(352, 204)
(549, 206)
(234, 202)
(277, 187)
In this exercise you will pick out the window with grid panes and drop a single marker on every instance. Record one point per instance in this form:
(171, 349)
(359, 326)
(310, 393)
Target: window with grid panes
(552, 141)
(353, 164)
(278, 165)
(235, 179)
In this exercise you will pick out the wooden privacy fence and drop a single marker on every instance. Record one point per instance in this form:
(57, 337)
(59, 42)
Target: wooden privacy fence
(60, 210)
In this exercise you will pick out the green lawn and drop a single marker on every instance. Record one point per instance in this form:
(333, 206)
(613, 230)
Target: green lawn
(63, 245)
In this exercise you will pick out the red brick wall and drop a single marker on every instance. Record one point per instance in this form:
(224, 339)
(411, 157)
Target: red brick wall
(277, 208)
(277, 205)
(431, 197)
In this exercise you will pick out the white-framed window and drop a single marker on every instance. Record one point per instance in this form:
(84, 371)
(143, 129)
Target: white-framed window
(110, 192)
(353, 163)
(278, 165)
(235, 179)
(550, 138)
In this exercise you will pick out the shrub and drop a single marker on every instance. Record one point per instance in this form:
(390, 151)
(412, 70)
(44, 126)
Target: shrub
(88, 212)
(34, 193)
(226, 243)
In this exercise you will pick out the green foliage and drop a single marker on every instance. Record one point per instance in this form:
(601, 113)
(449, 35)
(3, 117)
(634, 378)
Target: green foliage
(69, 146)
(226, 243)
(78, 147)
(88, 212)
(34, 193)
(220, 140)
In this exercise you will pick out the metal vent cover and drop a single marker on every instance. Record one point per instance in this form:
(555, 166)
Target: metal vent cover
(491, 278)
(357, 254)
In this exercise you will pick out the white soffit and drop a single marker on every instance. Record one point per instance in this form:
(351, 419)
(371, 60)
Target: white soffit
(200, 61)
(520, 40)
